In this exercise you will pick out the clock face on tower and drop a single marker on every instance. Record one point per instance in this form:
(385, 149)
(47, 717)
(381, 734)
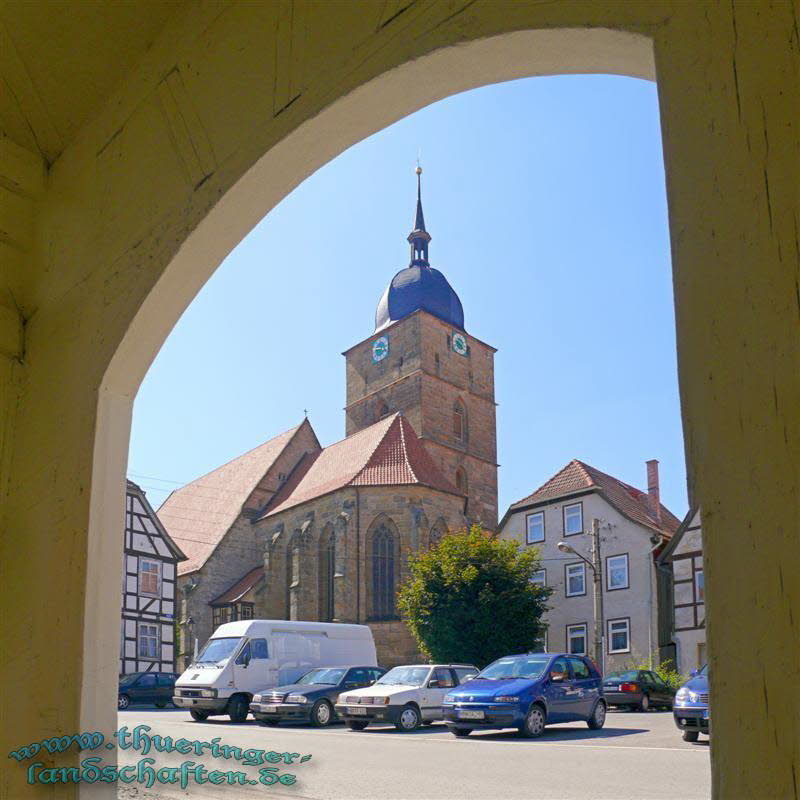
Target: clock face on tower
(380, 349)
(459, 344)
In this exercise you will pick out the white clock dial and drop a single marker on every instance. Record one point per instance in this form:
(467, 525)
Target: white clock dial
(380, 349)
(459, 344)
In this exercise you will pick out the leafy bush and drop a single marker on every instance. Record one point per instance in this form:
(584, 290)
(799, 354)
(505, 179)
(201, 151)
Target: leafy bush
(470, 599)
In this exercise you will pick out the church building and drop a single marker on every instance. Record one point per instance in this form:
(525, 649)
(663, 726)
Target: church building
(292, 530)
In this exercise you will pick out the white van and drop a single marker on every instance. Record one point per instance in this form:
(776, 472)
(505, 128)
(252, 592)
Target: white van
(242, 658)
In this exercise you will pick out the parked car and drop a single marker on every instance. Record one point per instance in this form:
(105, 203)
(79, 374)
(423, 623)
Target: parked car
(311, 698)
(146, 687)
(407, 696)
(637, 688)
(691, 709)
(248, 656)
(527, 692)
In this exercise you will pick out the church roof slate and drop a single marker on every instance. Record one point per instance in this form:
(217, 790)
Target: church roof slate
(578, 476)
(388, 453)
(197, 516)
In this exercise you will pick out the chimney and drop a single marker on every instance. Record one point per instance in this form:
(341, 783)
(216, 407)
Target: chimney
(653, 490)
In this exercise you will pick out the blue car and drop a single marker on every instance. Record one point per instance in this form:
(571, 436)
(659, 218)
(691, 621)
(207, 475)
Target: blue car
(527, 692)
(690, 708)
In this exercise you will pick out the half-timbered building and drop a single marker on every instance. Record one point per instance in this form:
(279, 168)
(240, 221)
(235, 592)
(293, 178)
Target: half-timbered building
(147, 634)
(683, 557)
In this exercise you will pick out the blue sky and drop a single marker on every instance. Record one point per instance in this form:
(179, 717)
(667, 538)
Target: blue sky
(546, 202)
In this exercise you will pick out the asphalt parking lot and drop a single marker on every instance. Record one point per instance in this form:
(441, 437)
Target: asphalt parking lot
(637, 756)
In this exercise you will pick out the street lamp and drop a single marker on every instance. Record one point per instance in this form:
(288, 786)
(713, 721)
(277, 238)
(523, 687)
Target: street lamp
(598, 587)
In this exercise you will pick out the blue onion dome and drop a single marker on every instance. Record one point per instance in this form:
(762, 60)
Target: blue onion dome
(419, 286)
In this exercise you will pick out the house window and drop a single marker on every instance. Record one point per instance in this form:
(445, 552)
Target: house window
(575, 580)
(619, 636)
(535, 527)
(459, 422)
(245, 611)
(573, 519)
(617, 572)
(539, 578)
(699, 587)
(149, 577)
(576, 639)
(383, 574)
(148, 641)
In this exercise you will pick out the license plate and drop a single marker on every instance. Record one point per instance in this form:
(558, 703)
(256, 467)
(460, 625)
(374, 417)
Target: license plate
(611, 688)
(356, 710)
(464, 714)
(269, 709)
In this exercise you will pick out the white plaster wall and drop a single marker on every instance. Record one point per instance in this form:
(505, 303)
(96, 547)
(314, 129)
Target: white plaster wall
(618, 535)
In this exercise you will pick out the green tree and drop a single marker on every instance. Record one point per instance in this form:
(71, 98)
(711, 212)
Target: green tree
(470, 599)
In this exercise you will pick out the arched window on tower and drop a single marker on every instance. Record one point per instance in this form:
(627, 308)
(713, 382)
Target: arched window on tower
(327, 569)
(459, 422)
(462, 484)
(383, 573)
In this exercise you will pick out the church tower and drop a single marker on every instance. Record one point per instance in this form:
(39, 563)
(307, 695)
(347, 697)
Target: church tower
(421, 361)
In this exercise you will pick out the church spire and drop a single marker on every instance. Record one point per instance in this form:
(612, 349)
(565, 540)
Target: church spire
(419, 237)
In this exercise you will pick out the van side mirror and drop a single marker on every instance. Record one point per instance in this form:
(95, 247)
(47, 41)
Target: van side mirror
(433, 684)
(694, 673)
(557, 677)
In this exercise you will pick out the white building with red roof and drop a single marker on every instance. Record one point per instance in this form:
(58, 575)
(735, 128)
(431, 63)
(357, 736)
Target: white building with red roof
(634, 527)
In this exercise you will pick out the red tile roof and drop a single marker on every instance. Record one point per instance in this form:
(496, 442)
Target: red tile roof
(631, 502)
(388, 453)
(240, 588)
(199, 514)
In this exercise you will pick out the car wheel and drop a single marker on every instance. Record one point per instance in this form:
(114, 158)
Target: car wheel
(123, 701)
(533, 726)
(356, 726)
(321, 713)
(409, 719)
(598, 718)
(644, 703)
(461, 731)
(690, 736)
(198, 716)
(238, 708)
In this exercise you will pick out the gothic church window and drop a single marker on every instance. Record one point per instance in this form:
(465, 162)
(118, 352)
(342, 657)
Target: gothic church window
(383, 573)
(327, 570)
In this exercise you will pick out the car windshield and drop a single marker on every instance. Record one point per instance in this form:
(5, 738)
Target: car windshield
(630, 675)
(326, 675)
(217, 650)
(406, 676)
(520, 667)
(127, 680)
